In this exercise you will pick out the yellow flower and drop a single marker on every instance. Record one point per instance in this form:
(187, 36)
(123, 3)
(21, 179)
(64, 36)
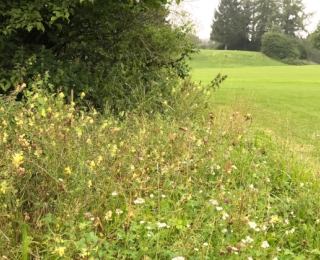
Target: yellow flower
(3, 187)
(92, 164)
(89, 184)
(61, 95)
(82, 95)
(121, 113)
(99, 160)
(43, 113)
(17, 159)
(108, 215)
(274, 219)
(5, 137)
(104, 125)
(67, 170)
(59, 250)
(165, 102)
(84, 252)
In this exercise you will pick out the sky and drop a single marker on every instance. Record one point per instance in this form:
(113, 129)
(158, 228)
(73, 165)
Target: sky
(201, 12)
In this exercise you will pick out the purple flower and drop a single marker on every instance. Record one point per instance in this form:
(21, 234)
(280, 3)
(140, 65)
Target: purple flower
(226, 200)
(87, 214)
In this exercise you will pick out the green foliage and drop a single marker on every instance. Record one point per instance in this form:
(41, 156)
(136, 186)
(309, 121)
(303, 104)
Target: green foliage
(314, 38)
(279, 46)
(85, 47)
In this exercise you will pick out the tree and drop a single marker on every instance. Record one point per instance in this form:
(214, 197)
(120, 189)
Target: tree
(107, 48)
(292, 16)
(314, 38)
(265, 17)
(229, 25)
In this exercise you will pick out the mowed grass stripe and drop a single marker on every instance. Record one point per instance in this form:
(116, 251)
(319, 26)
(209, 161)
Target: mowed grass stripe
(284, 100)
(231, 59)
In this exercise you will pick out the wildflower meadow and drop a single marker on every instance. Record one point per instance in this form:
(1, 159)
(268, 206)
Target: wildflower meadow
(191, 182)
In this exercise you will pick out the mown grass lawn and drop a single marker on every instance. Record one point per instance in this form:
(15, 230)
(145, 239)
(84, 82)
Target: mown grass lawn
(284, 99)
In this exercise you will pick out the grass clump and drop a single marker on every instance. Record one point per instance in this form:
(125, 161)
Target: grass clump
(190, 182)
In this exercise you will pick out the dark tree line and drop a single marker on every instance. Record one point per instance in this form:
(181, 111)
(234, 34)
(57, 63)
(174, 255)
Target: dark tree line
(240, 24)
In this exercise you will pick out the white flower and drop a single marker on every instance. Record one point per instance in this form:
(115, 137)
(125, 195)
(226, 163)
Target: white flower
(218, 167)
(301, 184)
(276, 258)
(224, 230)
(214, 202)
(205, 244)
(252, 187)
(219, 208)
(151, 196)
(139, 201)
(234, 167)
(264, 228)
(252, 224)
(250, 258)
(265, 244)
(163, 196)
(114, 193)
(249, 239)
(196, 249)
(161, 225)
(149, 235)
(178, 258)
(119, 211)
(268, 180)
(141, 222)
(225, 216)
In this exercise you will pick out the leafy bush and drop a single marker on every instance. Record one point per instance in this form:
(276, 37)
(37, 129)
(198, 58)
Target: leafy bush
(279, 46)
(118, 63)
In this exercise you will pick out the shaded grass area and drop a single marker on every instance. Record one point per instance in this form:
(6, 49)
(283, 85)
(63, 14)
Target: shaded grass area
(284, 99)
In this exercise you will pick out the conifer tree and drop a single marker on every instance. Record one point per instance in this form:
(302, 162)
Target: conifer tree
(229, 25)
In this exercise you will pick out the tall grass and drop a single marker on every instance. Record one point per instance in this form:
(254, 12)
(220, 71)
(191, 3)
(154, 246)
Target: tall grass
(191, 182)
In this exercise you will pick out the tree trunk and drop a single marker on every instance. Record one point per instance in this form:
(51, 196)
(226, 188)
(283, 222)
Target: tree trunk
(226, 46)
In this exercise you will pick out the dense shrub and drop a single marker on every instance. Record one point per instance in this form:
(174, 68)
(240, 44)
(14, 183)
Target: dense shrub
(83, 46)
(279, 46)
